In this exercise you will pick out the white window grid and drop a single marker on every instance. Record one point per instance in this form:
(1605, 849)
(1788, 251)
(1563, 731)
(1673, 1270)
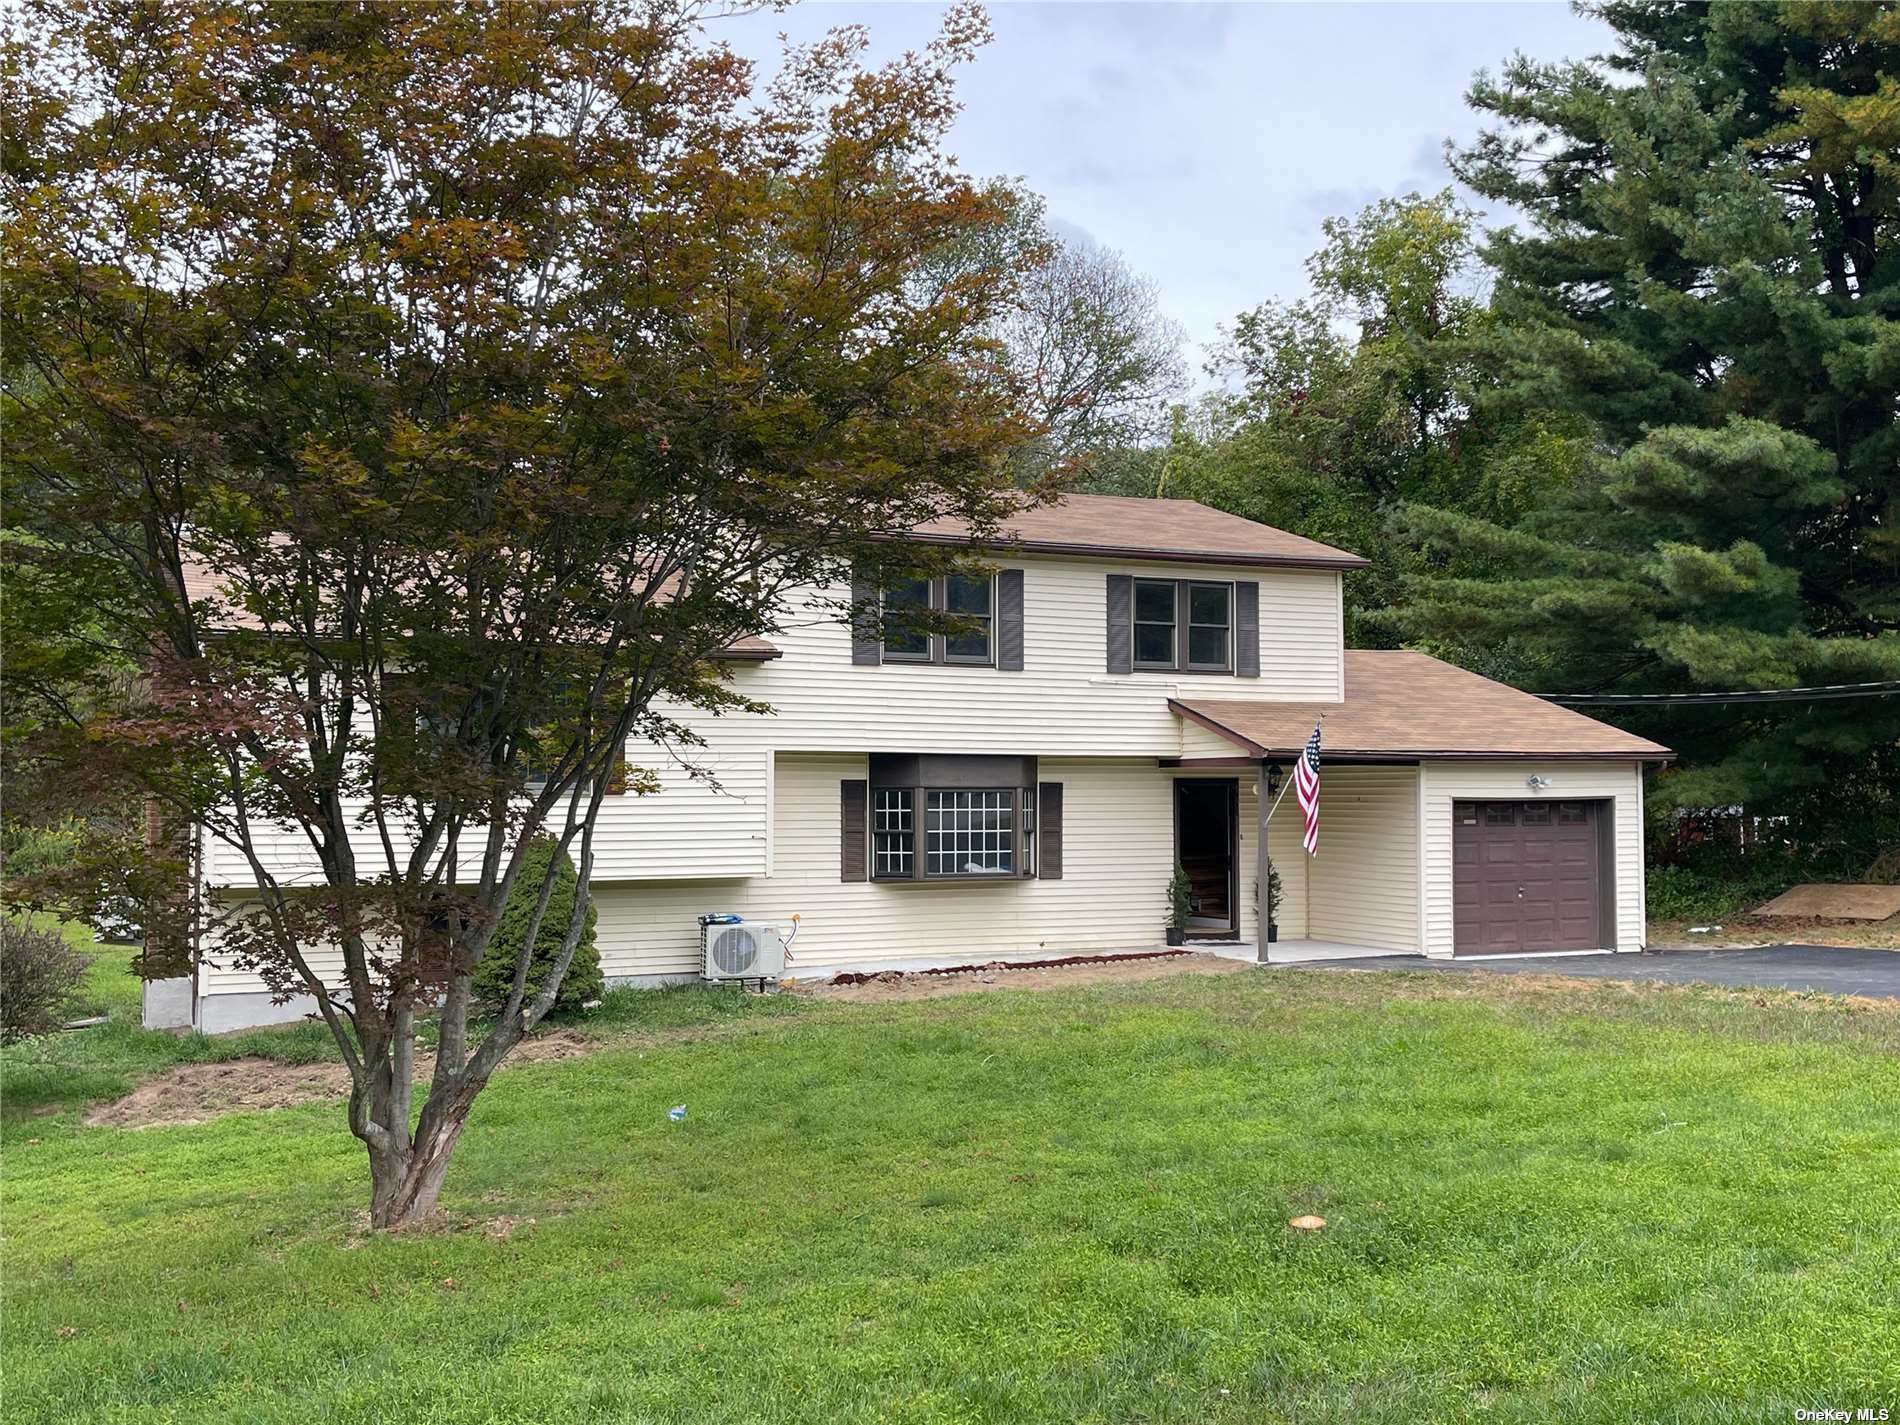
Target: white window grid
(891, 832)
(969, 833)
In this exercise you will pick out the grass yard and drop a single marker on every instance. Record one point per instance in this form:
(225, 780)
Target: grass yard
(1600, 1203)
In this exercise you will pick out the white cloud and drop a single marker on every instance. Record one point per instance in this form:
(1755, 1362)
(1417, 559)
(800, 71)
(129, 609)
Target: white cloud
(1206, 142)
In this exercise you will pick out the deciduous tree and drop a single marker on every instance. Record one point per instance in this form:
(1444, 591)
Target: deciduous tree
(1341, 404)
(415, 398)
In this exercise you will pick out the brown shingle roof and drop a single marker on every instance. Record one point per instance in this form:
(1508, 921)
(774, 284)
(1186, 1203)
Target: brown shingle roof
(1402, 704)
(203, 583)
(1120, 527)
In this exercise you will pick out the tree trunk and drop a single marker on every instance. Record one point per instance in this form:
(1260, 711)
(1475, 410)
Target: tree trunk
(407, 1166)
(404, 1185)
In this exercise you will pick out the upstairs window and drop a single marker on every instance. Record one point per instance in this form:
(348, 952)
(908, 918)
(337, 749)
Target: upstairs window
(970, 598)
(902, 642)
(1183, 625)
(1210, 627)
(1155, 608)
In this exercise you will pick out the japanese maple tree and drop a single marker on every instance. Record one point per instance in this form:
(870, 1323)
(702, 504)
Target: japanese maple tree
(403, 405)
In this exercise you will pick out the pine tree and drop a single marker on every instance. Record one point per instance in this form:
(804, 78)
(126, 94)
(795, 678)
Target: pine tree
(1705, 306)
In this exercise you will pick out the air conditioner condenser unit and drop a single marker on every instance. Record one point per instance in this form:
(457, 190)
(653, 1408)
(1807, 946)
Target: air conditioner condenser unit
(744, 949)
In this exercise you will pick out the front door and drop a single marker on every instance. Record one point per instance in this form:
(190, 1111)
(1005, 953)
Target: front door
(1525, 877)
(1204, 827)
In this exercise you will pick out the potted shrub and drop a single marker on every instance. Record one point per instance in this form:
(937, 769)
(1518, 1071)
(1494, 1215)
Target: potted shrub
(1179, 904)
(1273, 904)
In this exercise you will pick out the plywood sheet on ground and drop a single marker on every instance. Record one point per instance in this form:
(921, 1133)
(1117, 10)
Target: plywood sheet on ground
(1836, 902)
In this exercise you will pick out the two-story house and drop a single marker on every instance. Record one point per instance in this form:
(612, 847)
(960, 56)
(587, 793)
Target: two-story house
(1136, 678)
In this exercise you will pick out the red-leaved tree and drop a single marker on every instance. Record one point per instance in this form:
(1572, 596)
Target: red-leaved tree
(403, 405)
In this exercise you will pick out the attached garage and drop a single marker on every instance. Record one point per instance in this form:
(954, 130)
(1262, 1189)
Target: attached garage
(1530, 876)
(1457, 816)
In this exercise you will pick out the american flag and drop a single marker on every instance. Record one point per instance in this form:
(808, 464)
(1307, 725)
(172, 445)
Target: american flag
(1306, 788)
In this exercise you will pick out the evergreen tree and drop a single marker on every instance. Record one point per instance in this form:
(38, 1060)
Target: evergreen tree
(1707, 292)
(495, 974)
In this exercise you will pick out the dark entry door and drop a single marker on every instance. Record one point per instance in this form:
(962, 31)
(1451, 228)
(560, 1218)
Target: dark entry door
(1525, 877)
(1204, 839)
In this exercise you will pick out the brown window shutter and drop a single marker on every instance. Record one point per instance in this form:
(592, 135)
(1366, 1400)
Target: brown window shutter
(1049, 831)
(853, 859)
(1247, 628)
(1121, 616)
(1009, 620)
(867, 631)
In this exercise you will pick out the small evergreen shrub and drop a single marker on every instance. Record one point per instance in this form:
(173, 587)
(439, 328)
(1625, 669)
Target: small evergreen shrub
(496, 973)
(1180, 899)
(39, 979)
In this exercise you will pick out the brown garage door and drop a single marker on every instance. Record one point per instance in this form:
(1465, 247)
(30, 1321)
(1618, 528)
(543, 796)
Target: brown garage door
(1525, 877)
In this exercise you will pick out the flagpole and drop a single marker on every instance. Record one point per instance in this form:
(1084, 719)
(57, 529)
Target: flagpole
(1265, 858)
(1264, 869)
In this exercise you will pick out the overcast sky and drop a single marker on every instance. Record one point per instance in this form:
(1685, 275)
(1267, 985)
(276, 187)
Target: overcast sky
(1206, 142)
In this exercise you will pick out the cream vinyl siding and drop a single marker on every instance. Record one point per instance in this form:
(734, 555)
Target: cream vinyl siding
(712, 825)
(1197, 741)
(1362, 888)
(1118, 851)
(1063, 703)
(1618, 783)
(1292, 862)
(218, 975)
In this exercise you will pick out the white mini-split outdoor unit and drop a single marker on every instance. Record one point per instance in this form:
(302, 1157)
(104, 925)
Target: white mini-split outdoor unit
(744, 949)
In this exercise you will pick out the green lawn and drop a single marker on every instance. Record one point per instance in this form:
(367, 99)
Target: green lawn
(1546, 1205)
(67, 1070)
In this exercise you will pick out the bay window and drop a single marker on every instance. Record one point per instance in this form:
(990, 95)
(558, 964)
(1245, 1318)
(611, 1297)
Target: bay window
(970, 833)
(943, 817)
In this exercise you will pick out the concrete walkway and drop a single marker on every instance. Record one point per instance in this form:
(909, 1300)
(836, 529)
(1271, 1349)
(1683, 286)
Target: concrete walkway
(1829, 968)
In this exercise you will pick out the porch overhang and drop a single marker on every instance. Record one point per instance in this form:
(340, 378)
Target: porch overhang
(1402, 707)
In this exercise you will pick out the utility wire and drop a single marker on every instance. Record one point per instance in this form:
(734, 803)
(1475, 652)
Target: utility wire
(1768, 695)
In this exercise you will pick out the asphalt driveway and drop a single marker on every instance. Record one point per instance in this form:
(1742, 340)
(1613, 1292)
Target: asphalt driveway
(1833, 969)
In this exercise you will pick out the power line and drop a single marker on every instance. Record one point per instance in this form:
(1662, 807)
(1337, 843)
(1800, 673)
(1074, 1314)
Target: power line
(1768, 695)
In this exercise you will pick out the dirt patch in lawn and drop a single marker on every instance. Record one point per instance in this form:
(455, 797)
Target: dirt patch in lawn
(198, 1093)
(894, 985)
(1740, 931)
(1835, 902)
